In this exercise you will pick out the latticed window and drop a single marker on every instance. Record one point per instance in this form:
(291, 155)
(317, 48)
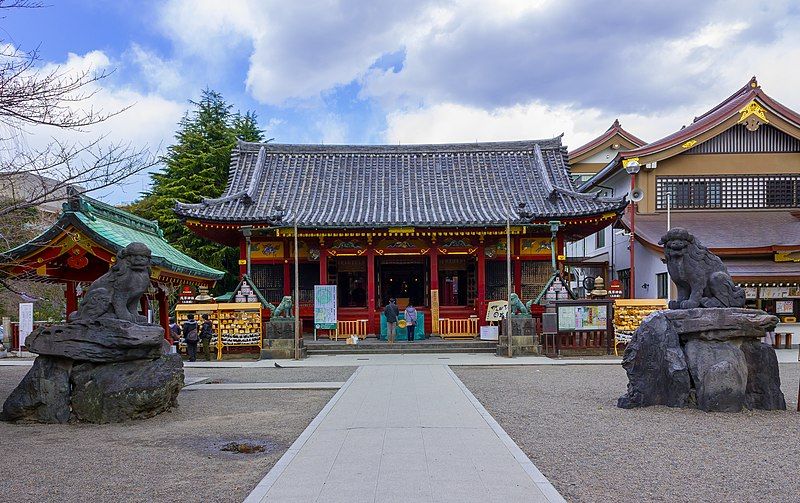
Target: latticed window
(728, 192)
(535, 275)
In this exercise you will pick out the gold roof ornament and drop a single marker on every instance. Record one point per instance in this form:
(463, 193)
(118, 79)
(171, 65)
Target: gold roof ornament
(753, 115)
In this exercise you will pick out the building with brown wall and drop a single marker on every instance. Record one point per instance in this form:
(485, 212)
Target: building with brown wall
(732, 178)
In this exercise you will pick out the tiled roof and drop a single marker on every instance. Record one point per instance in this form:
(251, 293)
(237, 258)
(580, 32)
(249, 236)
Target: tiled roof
(717, 115)
(449, 185)
(730, 107)
(115, 229)
(756, 231)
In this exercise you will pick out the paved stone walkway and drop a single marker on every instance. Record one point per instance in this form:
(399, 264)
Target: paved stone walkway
(404, 433)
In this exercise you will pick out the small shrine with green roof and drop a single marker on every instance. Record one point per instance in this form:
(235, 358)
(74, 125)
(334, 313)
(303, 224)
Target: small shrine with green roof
(83, 243)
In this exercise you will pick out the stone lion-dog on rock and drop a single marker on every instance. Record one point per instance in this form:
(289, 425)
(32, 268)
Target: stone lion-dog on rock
(701, 277)
(116, 294)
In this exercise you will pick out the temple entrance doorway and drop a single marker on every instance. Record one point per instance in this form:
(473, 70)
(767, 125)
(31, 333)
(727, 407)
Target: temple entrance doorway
(404, 278)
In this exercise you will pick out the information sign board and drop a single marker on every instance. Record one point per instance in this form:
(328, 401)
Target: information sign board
(591, 317)
(325, 307)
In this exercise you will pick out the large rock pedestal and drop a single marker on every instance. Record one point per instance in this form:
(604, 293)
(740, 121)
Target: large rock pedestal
(102, 371)
(708, 357)
(279, 340)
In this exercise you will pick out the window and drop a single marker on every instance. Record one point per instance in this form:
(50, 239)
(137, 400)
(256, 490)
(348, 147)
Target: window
(730, 192)
(662, 282)
(600, 239)
(781, 192)
(624, 277)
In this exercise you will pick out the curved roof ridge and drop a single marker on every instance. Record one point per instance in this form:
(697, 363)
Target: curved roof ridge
(751, 84)
(614, 129)
(508, 145)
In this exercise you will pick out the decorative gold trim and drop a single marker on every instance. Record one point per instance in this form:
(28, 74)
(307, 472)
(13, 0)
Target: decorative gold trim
(753, 108)
(625, 162)
(689, 144)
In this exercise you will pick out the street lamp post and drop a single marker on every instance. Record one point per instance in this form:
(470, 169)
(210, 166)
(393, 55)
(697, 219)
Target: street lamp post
(632, 167)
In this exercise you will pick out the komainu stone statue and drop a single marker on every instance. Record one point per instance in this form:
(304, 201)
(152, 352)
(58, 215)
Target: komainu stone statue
(701, 277)
(706, 351)
(106, 364)
(517, 308)
(116, 293)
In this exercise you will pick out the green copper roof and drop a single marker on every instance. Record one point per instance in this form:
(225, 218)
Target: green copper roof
(115, 229)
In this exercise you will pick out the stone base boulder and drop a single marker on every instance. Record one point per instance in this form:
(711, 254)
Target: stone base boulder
(657, 370)
(117, 392)
(101, 340)
(98, 371)
(710, 357)
(43, 394)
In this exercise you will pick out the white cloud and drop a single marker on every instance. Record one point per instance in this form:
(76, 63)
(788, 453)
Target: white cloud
(499, 70)
(162, 76)
(150, 119)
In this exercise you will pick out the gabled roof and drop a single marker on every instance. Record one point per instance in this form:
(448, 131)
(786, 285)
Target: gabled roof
(114, 229)
(373, 186)
(735, 107)
(613, 135)
(749, 102)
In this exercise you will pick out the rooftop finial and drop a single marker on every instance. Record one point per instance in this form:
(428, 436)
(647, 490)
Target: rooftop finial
(754, 82)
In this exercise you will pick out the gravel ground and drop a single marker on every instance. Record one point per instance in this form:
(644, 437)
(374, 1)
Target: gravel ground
(173, 457)
(567, 422)
(271, 374)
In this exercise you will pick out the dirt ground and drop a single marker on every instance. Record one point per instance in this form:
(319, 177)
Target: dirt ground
(173, 457)
(567, 422)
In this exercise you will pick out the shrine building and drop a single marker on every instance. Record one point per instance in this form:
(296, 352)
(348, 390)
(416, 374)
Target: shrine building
(83, 243)
(425, 224)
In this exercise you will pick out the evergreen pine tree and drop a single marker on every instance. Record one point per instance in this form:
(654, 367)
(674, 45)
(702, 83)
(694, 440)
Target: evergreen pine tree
(196, 166)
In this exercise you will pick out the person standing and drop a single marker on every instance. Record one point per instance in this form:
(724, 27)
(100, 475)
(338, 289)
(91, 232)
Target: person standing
(175, 334)
(391, 313)
(191, 335)
(410, 315)
(206, 331)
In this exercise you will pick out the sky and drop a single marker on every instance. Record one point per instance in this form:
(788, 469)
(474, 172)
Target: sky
(413, 71)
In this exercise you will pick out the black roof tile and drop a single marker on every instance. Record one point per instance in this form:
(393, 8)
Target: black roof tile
(448, 185)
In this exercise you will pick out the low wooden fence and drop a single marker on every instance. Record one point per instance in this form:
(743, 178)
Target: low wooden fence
(450, 328)
(347, 328)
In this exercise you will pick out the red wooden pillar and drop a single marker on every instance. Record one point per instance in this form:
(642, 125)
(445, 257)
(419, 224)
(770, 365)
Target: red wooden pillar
(481, 284)
(517, 267)
(323, 266)
(163, 313)
(434, 254)
(371, 326)
(435, 298)
(71, 298)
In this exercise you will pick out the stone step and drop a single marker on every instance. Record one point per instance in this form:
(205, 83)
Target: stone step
(350, 350)
(442, 346)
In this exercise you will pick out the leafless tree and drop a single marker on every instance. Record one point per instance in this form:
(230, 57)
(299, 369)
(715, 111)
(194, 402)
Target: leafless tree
(37, 98)
(57, 98)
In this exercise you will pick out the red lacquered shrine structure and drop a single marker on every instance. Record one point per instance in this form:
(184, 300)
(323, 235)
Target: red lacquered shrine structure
(82, 245)
(425, 224)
